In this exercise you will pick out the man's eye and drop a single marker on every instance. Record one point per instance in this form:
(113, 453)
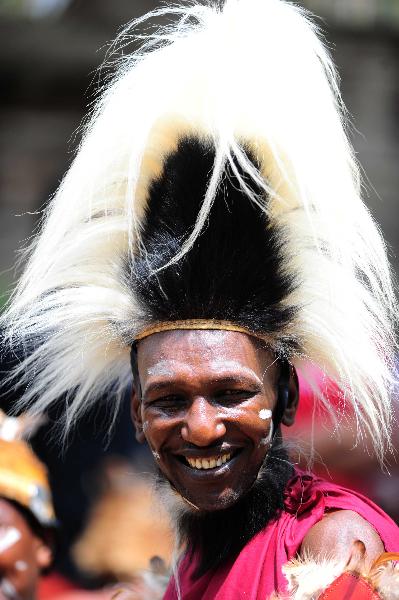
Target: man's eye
(234, 396)
(167, 403)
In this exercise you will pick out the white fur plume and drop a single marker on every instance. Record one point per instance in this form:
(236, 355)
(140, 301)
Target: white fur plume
(307, 577)
(254, 72)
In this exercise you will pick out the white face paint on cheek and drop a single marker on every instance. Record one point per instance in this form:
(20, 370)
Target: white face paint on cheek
(155, 455)
(266, 440)
(265, 413)
(21, 565)
(8, 537)
(145, 426)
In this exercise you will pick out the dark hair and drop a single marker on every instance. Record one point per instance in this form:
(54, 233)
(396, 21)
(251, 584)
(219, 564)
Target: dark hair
(234, 269)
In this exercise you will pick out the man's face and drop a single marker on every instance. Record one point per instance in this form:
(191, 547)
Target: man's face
(205, 411)
(23, 555)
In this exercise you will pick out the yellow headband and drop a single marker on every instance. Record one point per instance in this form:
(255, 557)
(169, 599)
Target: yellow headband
(196, 324)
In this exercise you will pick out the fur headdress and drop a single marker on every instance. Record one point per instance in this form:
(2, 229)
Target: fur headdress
(23, 477)
(215, 180)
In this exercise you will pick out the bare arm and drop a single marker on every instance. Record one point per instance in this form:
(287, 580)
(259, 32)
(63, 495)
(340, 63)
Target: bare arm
(335, 535)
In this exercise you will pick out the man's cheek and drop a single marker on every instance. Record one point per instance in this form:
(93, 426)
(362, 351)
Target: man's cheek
(151, 432)
(157, 430)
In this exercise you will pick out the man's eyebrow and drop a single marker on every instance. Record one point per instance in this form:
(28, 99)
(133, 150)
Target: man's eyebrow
(215, 380)
(157, 386)
(236, 379)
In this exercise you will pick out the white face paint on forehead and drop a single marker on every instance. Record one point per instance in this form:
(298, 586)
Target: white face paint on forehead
(8, 537)
(221, 364)
(167, 367)
(162, 368)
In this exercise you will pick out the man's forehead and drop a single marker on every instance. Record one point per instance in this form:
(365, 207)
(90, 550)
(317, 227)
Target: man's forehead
(166, 343)
(170, 367)
(174, 352)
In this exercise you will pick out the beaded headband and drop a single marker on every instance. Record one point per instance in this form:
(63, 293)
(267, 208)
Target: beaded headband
(196, 324)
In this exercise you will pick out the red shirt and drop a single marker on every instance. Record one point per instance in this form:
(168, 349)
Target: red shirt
(256, 572)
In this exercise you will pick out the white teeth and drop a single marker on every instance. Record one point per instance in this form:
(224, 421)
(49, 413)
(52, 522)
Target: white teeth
(208, 463)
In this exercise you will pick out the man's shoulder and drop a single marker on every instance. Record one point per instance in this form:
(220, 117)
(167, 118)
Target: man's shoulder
(337, 534)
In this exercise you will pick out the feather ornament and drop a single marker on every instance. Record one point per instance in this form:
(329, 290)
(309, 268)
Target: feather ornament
(253, 78)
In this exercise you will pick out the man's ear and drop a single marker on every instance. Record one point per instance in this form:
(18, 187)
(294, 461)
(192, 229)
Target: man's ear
(44, 555)
(135, 411)
(293, 399)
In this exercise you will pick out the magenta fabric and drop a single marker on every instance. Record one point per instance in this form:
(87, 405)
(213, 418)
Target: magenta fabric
(256, 572)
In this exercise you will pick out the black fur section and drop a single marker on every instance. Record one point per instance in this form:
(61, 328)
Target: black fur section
(221, 535)
(233, 272)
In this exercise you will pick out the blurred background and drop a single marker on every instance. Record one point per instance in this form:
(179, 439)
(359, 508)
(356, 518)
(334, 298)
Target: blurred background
(50, 53)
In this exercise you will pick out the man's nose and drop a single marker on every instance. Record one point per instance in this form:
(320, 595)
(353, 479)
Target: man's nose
(202, 426)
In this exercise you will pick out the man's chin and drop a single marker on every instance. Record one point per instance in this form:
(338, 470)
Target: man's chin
(179, 499)
(215, 502)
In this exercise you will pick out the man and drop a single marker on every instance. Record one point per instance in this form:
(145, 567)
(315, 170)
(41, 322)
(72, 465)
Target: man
(26, 515)
(202, 240)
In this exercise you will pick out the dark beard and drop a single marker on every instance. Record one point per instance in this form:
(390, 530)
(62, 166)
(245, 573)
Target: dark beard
(221, 535)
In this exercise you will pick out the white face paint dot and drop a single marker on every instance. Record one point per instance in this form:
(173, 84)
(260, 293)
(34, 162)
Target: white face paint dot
(156, 455)
(265, 413)
(21, 565)
(8, 537)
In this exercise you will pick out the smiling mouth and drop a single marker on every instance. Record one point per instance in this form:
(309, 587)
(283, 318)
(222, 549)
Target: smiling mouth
(211, 462)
